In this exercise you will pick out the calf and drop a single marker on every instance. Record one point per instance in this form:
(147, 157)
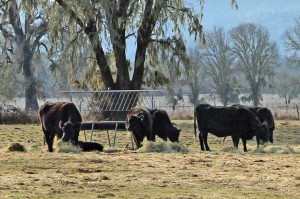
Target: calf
(60, 119)
(162, 126)
(90, 146)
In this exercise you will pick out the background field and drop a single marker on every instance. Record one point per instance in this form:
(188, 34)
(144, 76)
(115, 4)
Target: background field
(221, 173)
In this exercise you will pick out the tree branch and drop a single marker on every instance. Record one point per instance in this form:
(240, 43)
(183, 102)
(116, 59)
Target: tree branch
(14, 19)
(97, 48)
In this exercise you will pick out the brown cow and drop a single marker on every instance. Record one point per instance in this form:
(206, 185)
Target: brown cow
(139, 121)
(60, 119)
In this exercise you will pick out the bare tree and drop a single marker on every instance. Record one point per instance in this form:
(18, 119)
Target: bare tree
(195, 74)
(291, 39)
(219, 59)
(287, 85)
(257, 56)
(23, 24)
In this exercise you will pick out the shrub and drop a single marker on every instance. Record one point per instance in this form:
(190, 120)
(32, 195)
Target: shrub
(13, 115)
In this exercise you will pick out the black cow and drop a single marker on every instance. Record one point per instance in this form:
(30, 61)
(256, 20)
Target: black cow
(139, 121)
(237, 122)
(60, 119)
(162, 126)
(264, 115)
(90, 146)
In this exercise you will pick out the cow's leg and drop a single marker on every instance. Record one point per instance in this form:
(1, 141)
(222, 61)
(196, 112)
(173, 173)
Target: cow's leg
(205, 134)
(235, 141)
(150, 137)
(201, 142)
(49, 140)
(271, 137)
(257, 142)
(244, 144)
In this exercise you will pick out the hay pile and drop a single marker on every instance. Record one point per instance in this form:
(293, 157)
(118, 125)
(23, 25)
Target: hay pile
(278, 149)
(162, 147)
(16, 147)
(67, 147)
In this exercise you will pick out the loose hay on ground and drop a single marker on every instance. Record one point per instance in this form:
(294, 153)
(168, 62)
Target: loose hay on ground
(162, 147)
(17, 147)
(111, 150)
(67, 147)
(278, 149)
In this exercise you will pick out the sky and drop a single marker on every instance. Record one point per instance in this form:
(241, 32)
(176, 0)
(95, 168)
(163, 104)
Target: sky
(275, 15)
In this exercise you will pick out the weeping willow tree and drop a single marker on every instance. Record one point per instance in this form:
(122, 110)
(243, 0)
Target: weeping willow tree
(147, 30)
(23, 24)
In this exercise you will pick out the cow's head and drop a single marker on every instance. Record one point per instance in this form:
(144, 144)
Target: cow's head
(136, 124)
(173, 134)
(261, 131)
(70, 131)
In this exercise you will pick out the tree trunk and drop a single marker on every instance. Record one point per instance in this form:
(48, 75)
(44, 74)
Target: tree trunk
(255, 99)
(30, 96)
(30, 84)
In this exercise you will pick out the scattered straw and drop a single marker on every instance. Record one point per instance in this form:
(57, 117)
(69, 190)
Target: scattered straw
(17, 147)
(278, 149)
(162, 147)
(178, 147)
(67, 147)
(111, 150)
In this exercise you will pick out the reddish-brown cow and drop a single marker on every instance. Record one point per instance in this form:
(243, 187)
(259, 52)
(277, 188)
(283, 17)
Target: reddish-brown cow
(60, 119)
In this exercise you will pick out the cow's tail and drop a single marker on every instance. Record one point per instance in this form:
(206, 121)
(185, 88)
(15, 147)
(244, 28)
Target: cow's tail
(195, 125)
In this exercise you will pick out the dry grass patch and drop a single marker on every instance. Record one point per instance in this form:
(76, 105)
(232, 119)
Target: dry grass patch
(223, 172)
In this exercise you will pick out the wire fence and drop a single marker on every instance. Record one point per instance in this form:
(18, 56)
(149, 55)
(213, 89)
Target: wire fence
(118, 101)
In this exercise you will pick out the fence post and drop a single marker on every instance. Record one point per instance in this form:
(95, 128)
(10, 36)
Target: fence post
(297, 110)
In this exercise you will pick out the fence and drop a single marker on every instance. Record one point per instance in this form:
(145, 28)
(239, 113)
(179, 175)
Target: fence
(112, 100)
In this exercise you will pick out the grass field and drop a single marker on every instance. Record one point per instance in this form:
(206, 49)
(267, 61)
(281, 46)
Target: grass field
(221, 173)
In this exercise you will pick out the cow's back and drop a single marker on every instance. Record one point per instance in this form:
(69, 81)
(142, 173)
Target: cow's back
(224, 121)
(69, 112)
(263, 114)
(50, 115)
